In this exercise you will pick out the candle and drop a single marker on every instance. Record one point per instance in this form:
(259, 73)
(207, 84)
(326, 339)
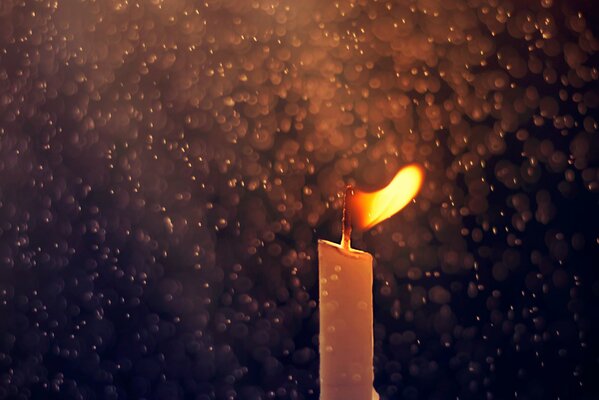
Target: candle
(346, 340)
(345, 288)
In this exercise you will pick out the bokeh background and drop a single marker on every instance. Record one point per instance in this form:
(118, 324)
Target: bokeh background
(167, 166)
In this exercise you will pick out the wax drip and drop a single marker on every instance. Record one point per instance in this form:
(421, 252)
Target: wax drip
(346, 219)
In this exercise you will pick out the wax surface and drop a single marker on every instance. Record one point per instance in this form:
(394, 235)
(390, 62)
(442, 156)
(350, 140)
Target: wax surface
(346, 341)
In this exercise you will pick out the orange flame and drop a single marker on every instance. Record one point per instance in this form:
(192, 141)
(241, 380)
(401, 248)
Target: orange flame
(368, 209)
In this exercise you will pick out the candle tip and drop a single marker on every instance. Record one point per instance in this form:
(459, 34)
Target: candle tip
(346, 219)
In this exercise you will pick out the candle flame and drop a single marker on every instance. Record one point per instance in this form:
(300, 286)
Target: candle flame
(369, 208)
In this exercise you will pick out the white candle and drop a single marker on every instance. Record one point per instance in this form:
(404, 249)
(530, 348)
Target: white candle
(346, 338)
(346, 342)
(345, 288)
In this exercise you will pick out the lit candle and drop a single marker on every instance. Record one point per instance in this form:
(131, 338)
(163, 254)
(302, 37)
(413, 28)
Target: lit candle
(345, 276)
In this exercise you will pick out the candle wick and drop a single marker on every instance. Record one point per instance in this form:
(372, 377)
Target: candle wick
(346, 219)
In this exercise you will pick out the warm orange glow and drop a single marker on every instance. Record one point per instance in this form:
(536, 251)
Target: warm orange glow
(368, 209)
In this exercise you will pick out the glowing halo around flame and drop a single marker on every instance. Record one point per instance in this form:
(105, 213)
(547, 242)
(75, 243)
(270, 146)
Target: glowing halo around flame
(370, 208)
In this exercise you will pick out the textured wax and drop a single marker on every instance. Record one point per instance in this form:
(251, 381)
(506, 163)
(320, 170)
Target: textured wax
(346, 323)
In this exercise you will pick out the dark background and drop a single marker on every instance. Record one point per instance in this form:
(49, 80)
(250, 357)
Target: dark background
(166, 168)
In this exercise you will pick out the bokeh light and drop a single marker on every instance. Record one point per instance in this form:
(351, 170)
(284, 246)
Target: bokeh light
(167, 166)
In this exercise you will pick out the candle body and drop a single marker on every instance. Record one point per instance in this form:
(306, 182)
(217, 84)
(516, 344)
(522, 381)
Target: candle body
(346, 336)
